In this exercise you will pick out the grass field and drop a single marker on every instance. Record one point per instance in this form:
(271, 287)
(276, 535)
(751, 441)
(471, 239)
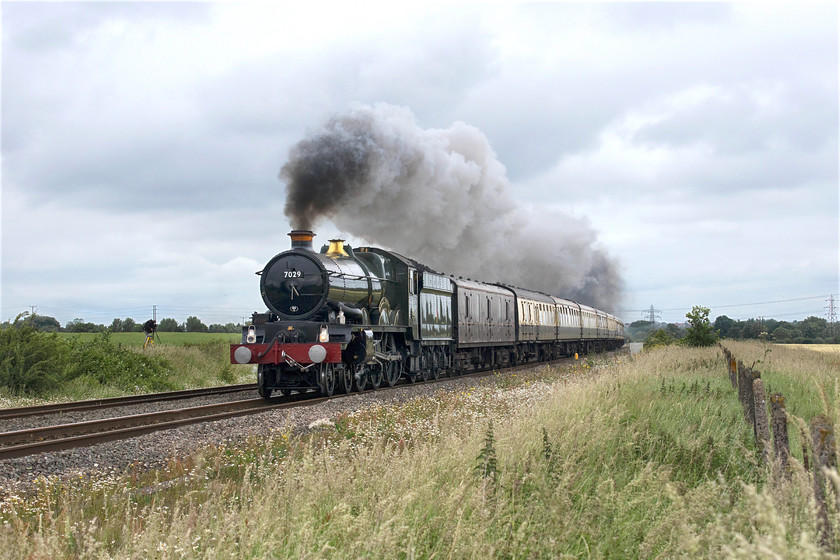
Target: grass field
(826, 348)
(167, 338)
(642, 457)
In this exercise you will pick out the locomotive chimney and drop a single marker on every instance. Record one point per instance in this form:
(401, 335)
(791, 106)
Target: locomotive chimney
(302, 239)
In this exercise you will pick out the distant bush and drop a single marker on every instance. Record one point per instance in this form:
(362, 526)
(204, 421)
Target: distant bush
(99, 361)
(658, 338)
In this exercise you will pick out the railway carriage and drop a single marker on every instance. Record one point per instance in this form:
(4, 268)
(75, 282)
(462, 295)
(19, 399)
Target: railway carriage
(485, 333)
(536, 325)
(589, 324)
(569, 333)
(343, 320)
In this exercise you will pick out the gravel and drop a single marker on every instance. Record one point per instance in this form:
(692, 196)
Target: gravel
(70, 417)
(157, 449)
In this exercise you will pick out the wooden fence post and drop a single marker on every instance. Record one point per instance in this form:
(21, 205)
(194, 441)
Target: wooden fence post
(745, 382)
(822, 441)
(781, 443)
(762, 426)
(733, 371)
(806, 452)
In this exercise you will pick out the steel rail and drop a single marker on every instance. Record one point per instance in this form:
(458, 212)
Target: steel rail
(110, 402)
(68, 436)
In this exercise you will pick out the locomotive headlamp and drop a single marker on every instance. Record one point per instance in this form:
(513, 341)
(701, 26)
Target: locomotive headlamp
(325, 334)
(251, 337)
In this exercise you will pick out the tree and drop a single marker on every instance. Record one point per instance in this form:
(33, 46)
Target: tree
(169, 325)
(226, 328)
(813, 328)
(674, 330)
(752, 328)
(129, 325)
(700, 331)
(43, 323)
(78, 325)
(781, 334)
(725, 326)
(194, 324)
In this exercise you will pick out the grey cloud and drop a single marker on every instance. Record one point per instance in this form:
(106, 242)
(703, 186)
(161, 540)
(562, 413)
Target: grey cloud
(593, 84)
(647, 15)
(800, 116)
(400, 67)
(190, 143)
(42, 26)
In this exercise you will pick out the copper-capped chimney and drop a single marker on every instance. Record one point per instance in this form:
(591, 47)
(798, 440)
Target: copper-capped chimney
(302, 239)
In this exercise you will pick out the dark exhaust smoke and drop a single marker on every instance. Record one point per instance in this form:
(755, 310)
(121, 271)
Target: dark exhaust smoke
(442, 197)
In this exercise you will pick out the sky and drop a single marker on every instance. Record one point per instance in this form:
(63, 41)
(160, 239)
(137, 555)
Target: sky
(142, 143)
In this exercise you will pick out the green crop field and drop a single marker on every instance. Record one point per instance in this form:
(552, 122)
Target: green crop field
(166, 338)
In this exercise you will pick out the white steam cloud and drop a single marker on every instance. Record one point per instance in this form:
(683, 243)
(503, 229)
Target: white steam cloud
(441, 197)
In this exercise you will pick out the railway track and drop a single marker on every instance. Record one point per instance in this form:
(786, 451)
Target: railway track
(31, 441)
(21, 443)
(114, 402)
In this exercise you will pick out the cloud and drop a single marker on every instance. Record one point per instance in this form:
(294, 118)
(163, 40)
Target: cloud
(648, 119)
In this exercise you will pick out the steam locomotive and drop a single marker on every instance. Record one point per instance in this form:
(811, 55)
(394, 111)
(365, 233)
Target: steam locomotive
(343, 320)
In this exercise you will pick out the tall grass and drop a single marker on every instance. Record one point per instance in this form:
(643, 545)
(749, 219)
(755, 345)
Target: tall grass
(646, 457)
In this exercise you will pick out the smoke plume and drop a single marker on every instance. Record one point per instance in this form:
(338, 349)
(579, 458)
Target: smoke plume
(441, 197)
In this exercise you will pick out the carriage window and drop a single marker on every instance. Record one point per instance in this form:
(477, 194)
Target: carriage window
(489, 316)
